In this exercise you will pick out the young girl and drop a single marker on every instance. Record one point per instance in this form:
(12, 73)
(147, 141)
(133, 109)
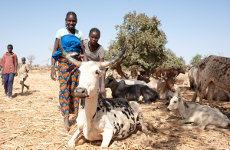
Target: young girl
(95, 52)
(67, 40)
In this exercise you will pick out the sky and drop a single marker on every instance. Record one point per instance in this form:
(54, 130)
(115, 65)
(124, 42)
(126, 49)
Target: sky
(192, 27)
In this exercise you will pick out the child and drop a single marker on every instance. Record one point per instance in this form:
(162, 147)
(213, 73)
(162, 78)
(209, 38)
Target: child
(23, 72)
(68, 40)
(9, 64)
(95, 52)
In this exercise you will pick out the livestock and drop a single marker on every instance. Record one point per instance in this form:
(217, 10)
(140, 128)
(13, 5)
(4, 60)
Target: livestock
(202, 115)
(102, 119)
(215, 93)
(212, 92)
(132, 82)
(166, 80)
(213, 70)
(167, 72)
(130, 92)
(192, 75)
(165, 88)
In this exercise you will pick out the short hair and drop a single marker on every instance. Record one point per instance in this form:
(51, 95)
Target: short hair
(9, 46)
(23, 59)
(94, 30)
(71, 13)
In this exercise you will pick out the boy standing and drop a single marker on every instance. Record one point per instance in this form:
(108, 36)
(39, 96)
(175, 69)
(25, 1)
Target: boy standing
(9, 64)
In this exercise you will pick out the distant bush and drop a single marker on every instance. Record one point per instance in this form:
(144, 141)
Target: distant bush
(196, 60)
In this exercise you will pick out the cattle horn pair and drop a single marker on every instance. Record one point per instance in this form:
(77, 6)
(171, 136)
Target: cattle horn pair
(102, 65)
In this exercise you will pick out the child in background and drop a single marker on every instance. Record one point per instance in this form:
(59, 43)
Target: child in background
(23, 72)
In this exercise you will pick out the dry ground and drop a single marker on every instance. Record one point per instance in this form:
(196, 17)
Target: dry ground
(33, 121)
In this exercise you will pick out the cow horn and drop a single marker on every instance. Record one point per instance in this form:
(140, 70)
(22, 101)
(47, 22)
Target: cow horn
(115, 60)
(71, 59)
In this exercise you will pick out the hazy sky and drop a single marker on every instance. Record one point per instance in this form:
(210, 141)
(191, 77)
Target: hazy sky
(195, 26)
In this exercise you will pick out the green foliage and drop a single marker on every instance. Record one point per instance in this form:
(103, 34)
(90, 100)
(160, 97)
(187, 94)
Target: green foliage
(196, 60)
(143, 40)
(172, 61)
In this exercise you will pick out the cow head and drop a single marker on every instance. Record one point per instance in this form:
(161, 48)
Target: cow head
(90, 71)
(110, 81)
(175, 101)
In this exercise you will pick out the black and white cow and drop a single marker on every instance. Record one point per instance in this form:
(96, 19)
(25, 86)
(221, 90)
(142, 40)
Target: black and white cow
(130, 92)
(102, 119)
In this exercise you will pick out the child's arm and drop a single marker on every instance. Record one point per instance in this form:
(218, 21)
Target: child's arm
(102, 54)
(83, 55)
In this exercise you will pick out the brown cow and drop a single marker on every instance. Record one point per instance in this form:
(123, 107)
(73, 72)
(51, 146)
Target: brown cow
(167, 73)
(213, 73)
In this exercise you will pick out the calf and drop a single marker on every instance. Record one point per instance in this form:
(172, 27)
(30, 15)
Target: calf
(202, 115)
(130, 92)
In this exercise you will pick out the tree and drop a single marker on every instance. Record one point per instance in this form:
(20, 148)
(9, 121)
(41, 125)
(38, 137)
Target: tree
(196, 60)
(172, 61)
(31, 59)
(143, 40)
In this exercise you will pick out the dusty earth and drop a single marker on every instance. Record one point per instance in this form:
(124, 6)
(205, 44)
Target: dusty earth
(33, 121)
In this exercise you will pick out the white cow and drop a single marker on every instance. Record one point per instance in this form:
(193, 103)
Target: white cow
(202, 115)
(102, 119)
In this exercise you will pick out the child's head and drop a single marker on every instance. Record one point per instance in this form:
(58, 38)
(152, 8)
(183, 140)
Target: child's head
(23, 60)
(94, 35)
(71, 20)
(10, 48)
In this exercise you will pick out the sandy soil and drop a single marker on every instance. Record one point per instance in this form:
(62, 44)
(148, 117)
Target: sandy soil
(33, 121)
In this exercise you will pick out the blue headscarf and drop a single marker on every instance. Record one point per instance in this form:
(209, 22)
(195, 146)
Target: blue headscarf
(69, 43)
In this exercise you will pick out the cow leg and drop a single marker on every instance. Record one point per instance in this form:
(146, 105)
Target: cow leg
(107, 137)
(204, 88)
(71, 142)
(194, 96)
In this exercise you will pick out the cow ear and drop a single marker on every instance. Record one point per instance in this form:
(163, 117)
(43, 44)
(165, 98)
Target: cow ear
(97, 72)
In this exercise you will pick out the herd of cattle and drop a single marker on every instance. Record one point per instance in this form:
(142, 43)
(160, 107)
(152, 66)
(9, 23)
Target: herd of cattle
(116, 118)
